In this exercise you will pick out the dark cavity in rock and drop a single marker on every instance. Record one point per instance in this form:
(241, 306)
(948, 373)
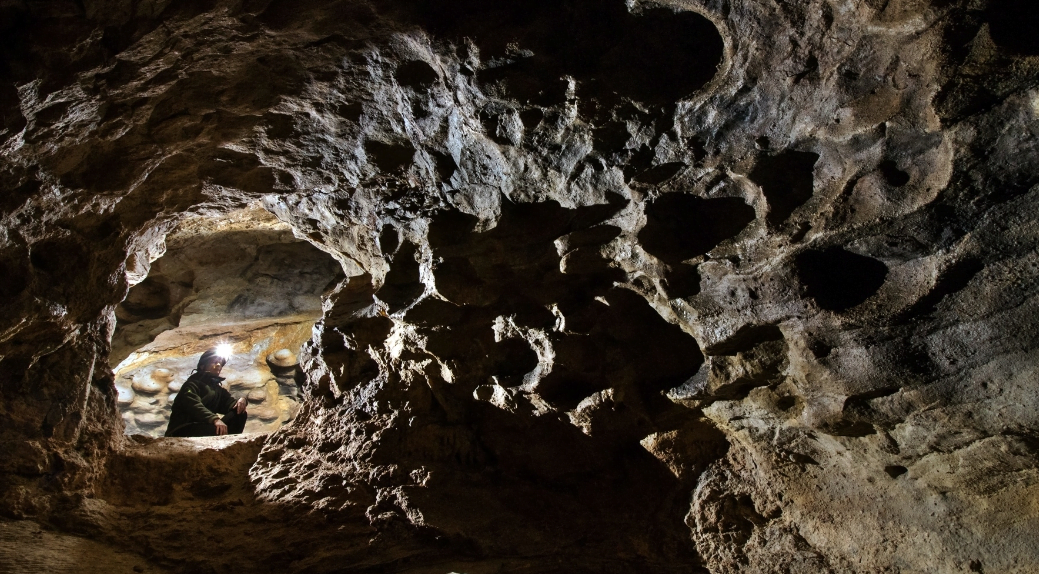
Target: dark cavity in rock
(838, 279)
(403, 284)
(1013, 25)
(892, 175)
(681, 226)
(150, 299)
(513, 359)
(786, 180)
(389, 239)
(681, 281)
(626, 339)
(654, 55)
(895, 471)
(417, 75)
(389, 157)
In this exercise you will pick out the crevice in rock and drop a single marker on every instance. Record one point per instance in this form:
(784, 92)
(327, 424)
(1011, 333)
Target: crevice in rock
(755, 356)
(950, 281)
(745, 338)
(659, 174)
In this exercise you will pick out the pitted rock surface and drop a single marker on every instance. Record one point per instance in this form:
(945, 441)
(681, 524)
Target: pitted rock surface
(723, 285)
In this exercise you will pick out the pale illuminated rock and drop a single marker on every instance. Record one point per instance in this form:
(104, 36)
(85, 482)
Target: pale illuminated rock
(150, 420)
(124, 396)
(148, 386)
(265, 414)
(282, 358)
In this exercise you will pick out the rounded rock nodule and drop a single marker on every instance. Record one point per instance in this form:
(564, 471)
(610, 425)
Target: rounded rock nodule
(124, 395)
(148, 386)
(150, 420)
(266, 414)
(283, 358)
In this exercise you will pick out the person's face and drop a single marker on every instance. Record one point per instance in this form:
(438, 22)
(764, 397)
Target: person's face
(213, 367)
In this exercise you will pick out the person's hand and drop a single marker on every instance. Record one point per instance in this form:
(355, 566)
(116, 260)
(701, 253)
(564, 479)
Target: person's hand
(221, 428)
(239, 407)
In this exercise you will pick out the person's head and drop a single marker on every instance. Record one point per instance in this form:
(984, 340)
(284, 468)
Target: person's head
(211, 362)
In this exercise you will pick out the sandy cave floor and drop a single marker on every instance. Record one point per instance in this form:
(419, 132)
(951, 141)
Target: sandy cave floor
(27, 548)
(189, 505)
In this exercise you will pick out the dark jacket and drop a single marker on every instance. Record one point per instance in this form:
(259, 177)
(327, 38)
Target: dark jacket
(200, 400)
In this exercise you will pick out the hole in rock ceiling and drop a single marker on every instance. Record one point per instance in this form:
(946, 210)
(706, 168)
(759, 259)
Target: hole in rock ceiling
(653, 55)
(787, 181)
(892, 175)
(682, 226)
(242, 280)
(1013, 23)
(838, 279)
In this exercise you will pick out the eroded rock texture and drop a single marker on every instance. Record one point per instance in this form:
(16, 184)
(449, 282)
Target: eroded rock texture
(735, 285)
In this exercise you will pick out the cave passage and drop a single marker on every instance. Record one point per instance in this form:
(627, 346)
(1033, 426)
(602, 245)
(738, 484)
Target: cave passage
(245, 282)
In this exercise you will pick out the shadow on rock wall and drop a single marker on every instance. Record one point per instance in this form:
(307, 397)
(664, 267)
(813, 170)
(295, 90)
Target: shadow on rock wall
(518, 389)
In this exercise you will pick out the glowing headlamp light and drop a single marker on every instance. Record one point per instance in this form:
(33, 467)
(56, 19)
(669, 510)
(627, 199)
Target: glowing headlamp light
(224, 351)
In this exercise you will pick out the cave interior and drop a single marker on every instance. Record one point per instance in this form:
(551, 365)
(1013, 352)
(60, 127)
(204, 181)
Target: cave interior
(537, 287)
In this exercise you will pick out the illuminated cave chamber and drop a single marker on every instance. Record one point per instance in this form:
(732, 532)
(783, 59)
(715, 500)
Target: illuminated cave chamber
(242, 280)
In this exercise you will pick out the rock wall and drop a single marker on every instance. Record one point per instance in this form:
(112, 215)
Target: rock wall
(740, 285)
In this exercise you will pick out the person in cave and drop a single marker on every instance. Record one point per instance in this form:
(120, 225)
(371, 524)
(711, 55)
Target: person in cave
(201, 401)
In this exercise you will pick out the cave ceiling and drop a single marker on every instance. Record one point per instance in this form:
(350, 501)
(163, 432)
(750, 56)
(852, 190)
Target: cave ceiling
(687, 285)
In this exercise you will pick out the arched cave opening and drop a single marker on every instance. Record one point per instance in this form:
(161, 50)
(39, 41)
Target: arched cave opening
(243, 281)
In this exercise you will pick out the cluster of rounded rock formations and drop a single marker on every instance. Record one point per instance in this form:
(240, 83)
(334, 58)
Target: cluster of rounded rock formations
(586, 286)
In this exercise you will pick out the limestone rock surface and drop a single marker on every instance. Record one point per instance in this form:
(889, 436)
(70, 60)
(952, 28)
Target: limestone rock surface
(686, 285)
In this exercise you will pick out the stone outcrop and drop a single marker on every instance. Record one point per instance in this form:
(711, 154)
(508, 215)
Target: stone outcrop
(723, 285)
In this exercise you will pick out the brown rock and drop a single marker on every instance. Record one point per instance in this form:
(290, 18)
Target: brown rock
(582, 286)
